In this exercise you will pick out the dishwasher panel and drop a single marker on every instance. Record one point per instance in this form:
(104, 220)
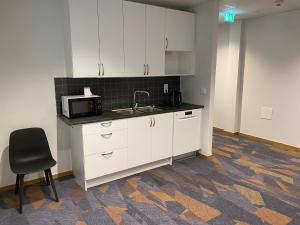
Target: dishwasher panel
(187, 127)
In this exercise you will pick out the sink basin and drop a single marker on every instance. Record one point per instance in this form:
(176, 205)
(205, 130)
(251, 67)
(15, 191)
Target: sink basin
(129, 111)
(147, 109)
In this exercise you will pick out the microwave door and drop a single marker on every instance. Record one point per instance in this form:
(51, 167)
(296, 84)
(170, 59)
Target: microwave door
(81, 107)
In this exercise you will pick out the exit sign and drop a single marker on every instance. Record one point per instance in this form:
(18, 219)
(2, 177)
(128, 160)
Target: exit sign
(229, 17)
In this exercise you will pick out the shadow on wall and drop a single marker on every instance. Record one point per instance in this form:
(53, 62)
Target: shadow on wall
(6, 175)
(64, 162)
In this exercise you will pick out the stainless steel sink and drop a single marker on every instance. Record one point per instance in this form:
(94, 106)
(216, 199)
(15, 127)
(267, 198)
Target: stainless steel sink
(147, 109)
(128, 111)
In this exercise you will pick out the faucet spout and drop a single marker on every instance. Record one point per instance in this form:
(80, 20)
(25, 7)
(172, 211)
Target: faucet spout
(136, 104)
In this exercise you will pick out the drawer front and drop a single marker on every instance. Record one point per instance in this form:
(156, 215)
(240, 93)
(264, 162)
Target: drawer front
(105, 163)
(102, 142)
(107, 126)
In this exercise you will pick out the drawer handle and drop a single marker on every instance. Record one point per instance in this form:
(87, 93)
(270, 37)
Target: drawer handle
(107, 155)
(106, 136)
(107, 124)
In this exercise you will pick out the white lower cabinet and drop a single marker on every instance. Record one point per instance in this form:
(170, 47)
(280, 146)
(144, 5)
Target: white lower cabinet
(105, 163)
(139, 141)
(149, 139)
(101, 142)
(106, 151)
(162, 136)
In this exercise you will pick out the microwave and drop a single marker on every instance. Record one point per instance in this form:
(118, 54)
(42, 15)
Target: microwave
(81, 106)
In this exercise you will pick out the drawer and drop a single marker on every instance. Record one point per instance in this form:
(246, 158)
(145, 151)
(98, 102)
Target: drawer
(105, 163)
(107, 126)
(104, 141)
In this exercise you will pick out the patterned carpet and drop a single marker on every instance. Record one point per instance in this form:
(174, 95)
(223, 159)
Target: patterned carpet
(246, 182)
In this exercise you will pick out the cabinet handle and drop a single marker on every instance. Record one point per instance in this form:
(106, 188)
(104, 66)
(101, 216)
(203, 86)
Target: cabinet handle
(106, 124)
(107, 155)
(167, 43)
(102, 69)
(147, 69)
(154, 121)
(151, 121)
(106, 136)
(99, 72)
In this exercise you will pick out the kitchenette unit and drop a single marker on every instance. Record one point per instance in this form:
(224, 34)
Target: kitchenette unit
(129, 57)
(122, 143)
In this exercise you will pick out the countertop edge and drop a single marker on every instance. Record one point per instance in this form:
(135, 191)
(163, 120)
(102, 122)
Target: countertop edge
(110, 116)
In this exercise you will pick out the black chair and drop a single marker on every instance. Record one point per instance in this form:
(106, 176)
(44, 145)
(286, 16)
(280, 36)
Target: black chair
(29, 152)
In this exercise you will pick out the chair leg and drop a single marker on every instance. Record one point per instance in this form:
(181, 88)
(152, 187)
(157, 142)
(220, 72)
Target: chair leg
(47, 178)
(17, 184)
(21, 188)
(52, 184)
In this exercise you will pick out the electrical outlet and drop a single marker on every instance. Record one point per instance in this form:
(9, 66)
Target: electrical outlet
(266, 113)
(166, 88)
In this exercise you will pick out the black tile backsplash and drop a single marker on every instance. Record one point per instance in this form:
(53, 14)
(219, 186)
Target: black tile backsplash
(118, 92)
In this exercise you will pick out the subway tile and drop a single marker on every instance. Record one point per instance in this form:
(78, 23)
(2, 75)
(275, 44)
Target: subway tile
(117, 92)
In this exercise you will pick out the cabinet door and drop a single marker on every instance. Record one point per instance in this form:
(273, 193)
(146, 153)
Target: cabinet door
(155, 40)
(84, 37)
(139, 141)
(111, 33)
(162, 136)
(180, 30)
(134, 38)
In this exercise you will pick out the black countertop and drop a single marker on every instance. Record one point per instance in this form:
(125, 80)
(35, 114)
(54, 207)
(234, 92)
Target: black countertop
(110, 115)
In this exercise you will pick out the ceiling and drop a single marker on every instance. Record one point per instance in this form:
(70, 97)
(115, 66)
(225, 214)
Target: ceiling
(255, 8)
(242, 8)
(176, 4)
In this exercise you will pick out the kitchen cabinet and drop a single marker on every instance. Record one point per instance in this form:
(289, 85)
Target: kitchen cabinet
(155, 40)
(139, 141)
(149, 139)
(111, 35)
(134, 38)
(95, 38)
(180, 30)
(162, 136)
(83, 36)
(116, 38)
(144, 28)
(98, 149)
(109, 150)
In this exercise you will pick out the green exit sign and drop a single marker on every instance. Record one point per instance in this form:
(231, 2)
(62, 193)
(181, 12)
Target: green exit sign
(229, 17)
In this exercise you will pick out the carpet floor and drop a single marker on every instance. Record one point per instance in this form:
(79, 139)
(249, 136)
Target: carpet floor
(245, 182)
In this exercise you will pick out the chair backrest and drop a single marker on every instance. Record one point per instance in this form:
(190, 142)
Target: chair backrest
(28, 143)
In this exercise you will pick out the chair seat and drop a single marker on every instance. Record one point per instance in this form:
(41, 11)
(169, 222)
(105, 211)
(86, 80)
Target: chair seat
(32, 166)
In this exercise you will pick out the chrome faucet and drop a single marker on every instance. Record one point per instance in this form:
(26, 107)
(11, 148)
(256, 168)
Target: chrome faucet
(136, 104)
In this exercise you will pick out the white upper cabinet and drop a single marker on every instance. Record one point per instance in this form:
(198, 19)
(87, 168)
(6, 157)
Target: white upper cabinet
(134, 38)
(111, 33)
(116, 38)
(155, 40)
(180, 30)
(83, 37)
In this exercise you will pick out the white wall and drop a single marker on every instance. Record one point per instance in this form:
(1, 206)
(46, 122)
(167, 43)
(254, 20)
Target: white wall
(31, 54)
(228, 92)
(206, 47)
(221, 72)
(272, 77)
